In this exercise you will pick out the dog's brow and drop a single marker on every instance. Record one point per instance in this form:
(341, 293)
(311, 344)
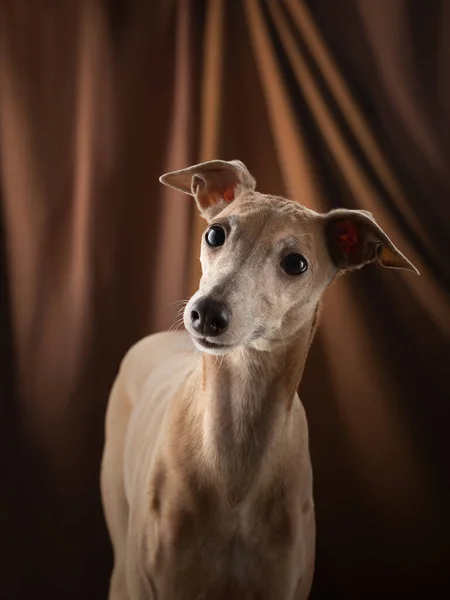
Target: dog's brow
(294, 242)
(288, 242)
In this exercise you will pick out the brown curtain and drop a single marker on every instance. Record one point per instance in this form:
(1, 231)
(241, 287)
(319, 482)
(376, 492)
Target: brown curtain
(330, 103)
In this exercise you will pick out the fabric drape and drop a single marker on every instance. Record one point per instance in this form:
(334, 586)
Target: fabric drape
(330, 103)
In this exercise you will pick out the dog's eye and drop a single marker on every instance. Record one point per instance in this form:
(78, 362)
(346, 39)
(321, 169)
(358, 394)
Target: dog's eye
(215, 236)
(294, 264)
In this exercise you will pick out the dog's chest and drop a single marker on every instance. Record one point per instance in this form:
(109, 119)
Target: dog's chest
(240, 552)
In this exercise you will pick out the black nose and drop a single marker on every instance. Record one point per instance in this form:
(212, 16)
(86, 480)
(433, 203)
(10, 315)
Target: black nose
(209, 317)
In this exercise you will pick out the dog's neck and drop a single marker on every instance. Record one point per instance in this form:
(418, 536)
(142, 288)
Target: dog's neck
(247, 400)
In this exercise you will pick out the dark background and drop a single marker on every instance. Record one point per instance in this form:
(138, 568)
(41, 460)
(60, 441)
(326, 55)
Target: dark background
(332, 103)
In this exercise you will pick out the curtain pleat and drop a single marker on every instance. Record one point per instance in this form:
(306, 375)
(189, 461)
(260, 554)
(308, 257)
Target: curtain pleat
(210, 110)
(299, 179)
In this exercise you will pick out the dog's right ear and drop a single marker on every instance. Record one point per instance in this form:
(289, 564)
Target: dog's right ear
(214, 184)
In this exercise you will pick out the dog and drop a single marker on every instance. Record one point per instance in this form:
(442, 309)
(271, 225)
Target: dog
(206, 475)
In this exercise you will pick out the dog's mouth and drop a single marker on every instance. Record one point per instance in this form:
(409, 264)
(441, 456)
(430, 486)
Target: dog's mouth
(204, 344)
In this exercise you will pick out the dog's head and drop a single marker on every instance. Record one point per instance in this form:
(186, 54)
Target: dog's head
(266, 261)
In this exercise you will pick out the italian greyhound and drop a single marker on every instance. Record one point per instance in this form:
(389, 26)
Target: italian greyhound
(206, 474)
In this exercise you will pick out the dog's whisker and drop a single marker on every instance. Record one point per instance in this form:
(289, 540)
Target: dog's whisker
(177, 324)
(183, 303)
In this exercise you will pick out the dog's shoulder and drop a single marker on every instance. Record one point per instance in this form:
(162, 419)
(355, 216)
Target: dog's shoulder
(154, 354)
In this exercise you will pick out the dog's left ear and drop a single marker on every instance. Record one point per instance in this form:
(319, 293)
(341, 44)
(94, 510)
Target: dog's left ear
(354, 239)
(214, 184)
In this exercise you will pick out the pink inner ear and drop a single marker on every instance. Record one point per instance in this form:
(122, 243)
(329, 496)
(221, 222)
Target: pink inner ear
(346, 235)
(228, 195)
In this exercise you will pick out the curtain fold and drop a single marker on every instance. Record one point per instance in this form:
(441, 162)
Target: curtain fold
(209, 113)
(330, 103)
